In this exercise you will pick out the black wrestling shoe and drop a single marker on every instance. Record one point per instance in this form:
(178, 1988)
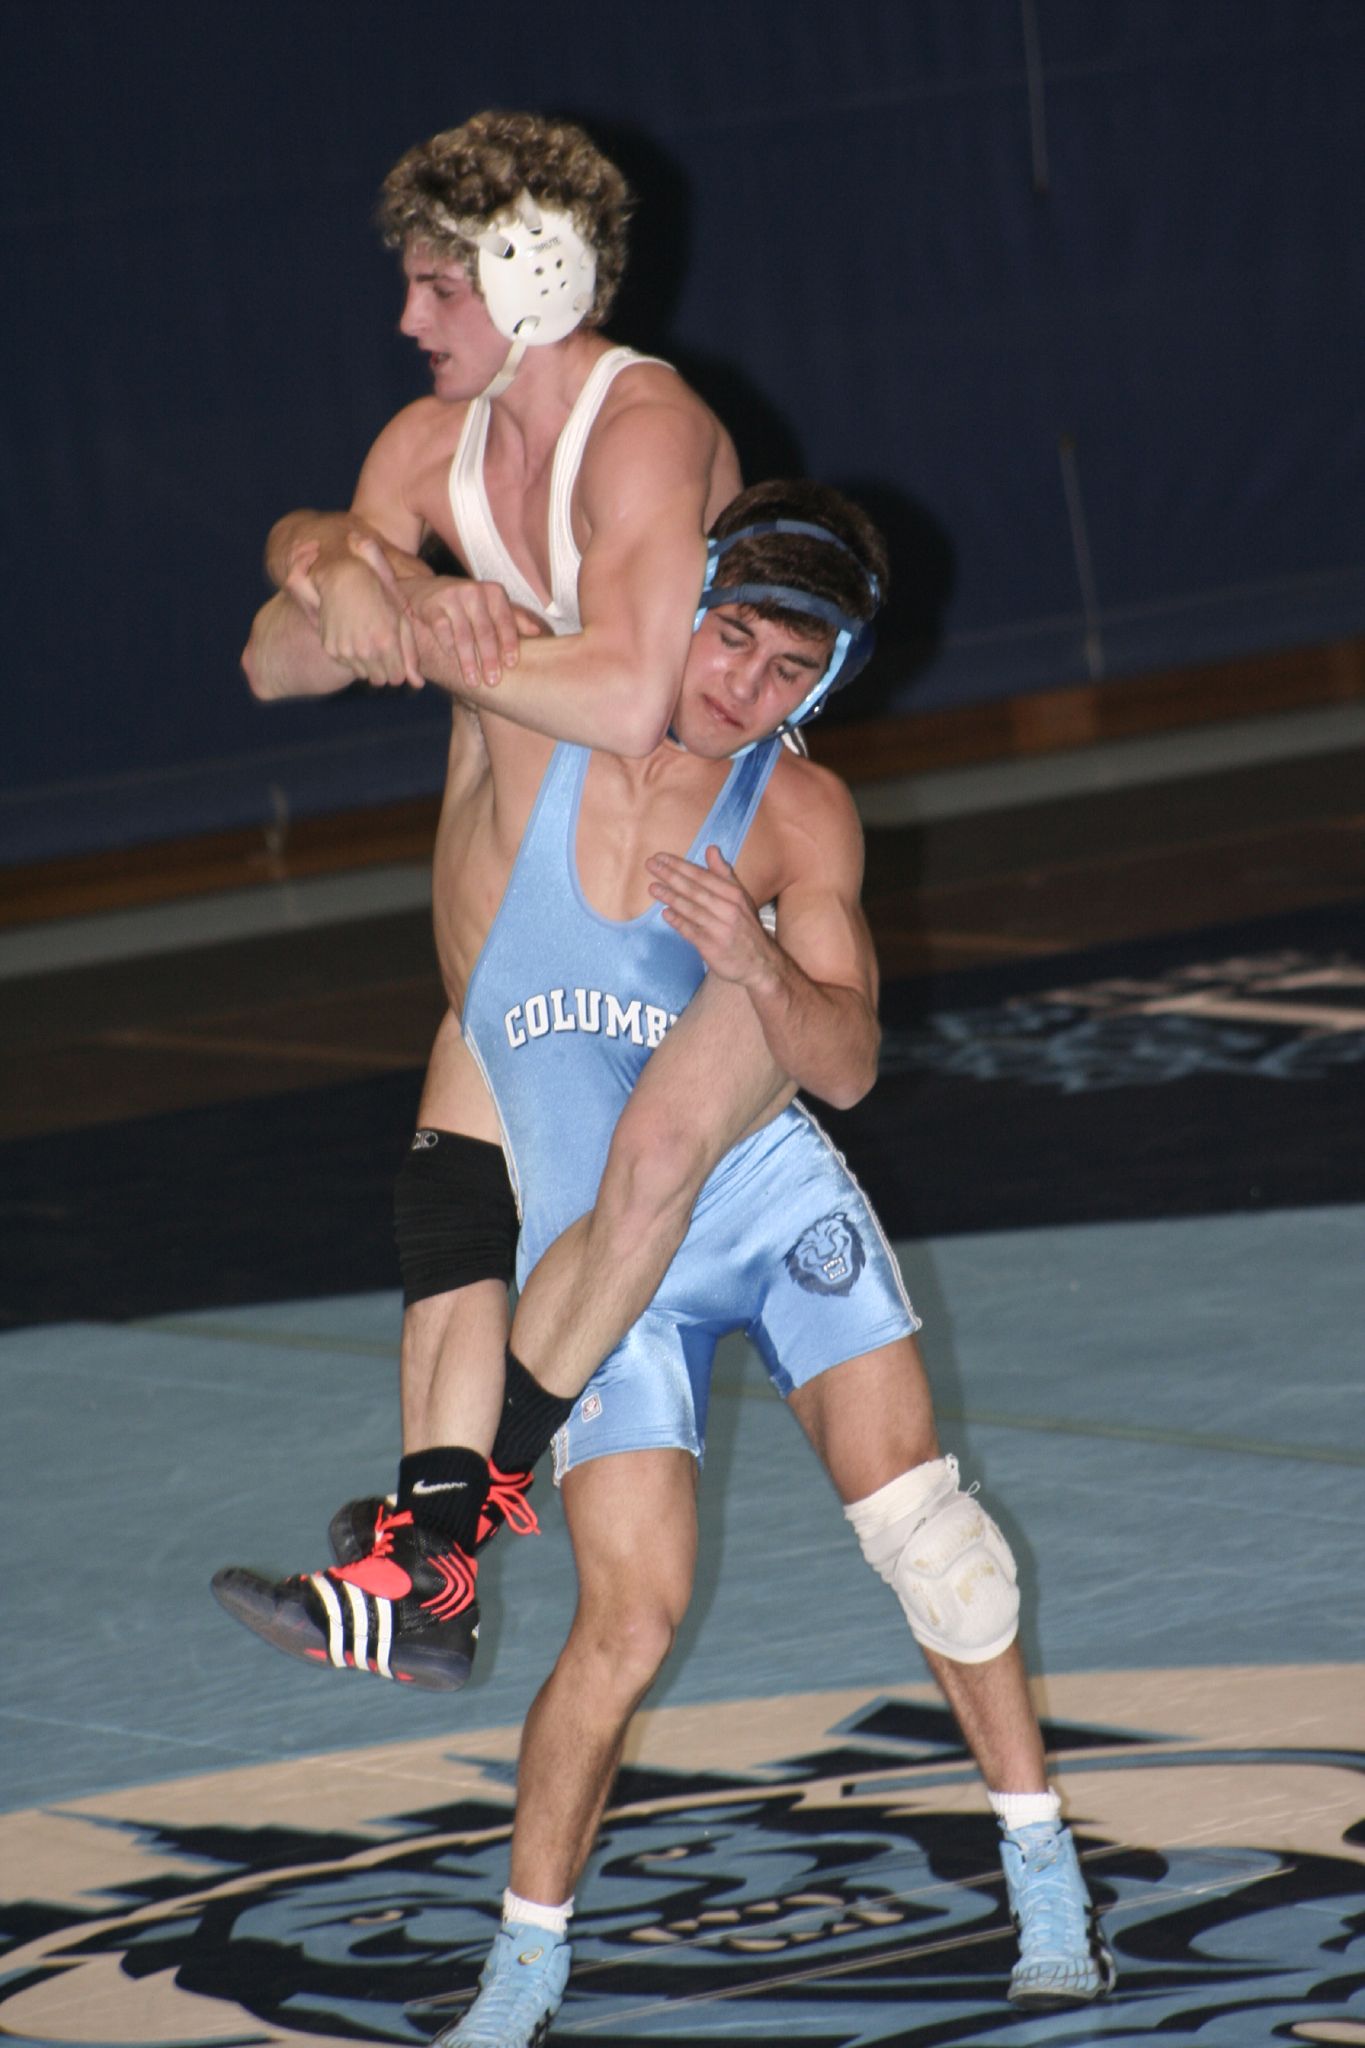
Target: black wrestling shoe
(507, 1503)
(405, 1610)
(352, 1529)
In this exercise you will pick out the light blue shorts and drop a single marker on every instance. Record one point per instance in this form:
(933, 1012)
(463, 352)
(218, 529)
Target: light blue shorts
(784, 1246)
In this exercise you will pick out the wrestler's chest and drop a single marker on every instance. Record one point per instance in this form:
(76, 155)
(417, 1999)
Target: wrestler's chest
(613, 854)
(520, 509)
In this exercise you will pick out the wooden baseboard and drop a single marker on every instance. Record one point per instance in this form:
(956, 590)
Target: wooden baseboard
(1051, 721)
(129, 876)
(915, 743)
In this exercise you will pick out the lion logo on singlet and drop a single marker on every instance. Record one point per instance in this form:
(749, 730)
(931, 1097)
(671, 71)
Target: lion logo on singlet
(827, 1258)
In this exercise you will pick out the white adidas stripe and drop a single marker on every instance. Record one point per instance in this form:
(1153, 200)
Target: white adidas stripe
(384, 1636)
(336, 1645)
(357, 1611)
(360, 1622)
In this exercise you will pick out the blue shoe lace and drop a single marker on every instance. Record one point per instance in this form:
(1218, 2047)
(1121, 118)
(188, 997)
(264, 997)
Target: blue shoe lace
(1060, 1955)
(522, 1987)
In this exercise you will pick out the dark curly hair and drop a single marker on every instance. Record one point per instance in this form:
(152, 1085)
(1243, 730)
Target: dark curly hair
(839, 575)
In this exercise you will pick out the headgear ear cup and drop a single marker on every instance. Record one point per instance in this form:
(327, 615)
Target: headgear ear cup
(536, 272)
(537, 276)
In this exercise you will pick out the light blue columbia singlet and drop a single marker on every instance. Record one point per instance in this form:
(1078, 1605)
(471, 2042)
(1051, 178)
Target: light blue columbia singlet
(563, 1009)
(564, 1006)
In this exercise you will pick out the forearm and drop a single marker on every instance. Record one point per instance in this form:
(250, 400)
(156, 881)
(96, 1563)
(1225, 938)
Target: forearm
(824, 1035)
(582, 687)
(284, 657)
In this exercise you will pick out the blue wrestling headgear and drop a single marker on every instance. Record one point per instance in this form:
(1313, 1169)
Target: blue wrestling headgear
(854, 638)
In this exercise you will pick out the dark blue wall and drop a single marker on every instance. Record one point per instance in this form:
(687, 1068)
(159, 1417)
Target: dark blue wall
(1113, 422)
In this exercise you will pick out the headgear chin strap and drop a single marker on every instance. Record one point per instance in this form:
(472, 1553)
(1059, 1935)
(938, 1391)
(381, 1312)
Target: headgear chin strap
(854, 638)
(537, 276)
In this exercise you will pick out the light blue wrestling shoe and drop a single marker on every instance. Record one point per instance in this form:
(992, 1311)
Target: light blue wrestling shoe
(521, 1990)
(1063, 1958)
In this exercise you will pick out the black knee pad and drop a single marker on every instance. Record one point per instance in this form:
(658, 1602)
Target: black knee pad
(454, 1215)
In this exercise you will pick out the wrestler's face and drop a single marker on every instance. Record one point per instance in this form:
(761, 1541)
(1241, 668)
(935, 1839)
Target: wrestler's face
(449, 322)
(744, 675)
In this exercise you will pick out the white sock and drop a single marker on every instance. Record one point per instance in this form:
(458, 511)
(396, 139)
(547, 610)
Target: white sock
(1024, 1809)
(526, 1913)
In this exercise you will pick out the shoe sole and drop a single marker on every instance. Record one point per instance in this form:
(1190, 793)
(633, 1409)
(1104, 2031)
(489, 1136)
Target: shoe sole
(255, 1602)
(1067, 2001)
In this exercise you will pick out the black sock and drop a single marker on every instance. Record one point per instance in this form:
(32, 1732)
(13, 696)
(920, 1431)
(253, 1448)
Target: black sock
(530, 1416)
(445, 1489)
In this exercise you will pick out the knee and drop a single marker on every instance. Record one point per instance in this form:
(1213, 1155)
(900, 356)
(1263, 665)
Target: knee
(627, 1640)
(945, 1559)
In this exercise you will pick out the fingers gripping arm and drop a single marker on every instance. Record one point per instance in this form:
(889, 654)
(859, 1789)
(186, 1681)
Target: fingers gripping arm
(813, 992)
(362, 629)
(643, 491)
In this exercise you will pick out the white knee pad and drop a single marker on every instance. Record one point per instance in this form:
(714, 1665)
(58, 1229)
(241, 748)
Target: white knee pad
(944, 1558)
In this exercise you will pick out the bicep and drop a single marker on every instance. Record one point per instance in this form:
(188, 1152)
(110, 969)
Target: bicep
(644, 496)
(820, 918)
(638, 585)
(380, 498)
(826, 933)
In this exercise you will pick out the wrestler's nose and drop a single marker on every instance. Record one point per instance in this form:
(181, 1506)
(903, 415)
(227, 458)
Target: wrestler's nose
(745, 679)
(408, 324)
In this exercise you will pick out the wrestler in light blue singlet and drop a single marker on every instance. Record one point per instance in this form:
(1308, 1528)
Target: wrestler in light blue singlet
(563, 1008)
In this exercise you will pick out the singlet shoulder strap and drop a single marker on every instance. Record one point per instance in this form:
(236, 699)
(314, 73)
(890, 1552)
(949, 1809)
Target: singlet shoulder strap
(564, 555)
(732, 813)
(485, 552)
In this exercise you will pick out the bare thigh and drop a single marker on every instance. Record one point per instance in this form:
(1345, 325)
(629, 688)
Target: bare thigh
(633, 1524)
(869, 1419)
(713, 1081)
(454, 1097)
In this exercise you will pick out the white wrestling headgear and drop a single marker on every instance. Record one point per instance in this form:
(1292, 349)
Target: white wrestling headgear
(537, 276)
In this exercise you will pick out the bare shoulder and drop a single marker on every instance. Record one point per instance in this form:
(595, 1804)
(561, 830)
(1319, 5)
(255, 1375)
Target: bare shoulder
(814, 812)
(652, 382)
(655, 425)
(419, 428)
(801, 788)
(400, 490)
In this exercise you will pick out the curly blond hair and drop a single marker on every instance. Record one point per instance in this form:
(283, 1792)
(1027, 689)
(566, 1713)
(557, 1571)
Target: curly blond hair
(472, 172)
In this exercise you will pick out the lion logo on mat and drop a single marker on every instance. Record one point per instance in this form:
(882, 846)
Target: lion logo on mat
(827, 1258)
(825, 1896)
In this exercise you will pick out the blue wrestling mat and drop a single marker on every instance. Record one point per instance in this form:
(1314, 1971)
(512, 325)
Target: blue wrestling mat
(206, 1842)
(1143, 1294)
